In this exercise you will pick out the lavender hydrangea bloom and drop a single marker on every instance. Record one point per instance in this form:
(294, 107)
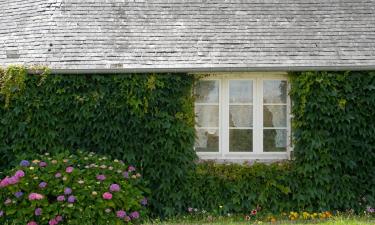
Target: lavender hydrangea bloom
(134, 215)
(100, 177)
(71, 199)
(67, 191)
(18, 194)
(114, 188)
(1, 213)
(24, 163)
(42, 164)
(43, 184)
(144, 201)
(38, 212)
(126, 175)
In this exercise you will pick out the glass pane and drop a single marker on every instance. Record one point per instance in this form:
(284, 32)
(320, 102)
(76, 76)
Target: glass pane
(240, 91)
(207, 91)
(240, 140)
(207, 115)
(207, 140)
(274, 116)
(274, 91)
(240, 116)
(274, 140)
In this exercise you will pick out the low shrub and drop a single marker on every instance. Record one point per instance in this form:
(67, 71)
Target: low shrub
(235, 188)
(72, 189)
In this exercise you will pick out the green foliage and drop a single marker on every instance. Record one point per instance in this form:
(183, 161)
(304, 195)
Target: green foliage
(235, 188)
(145, 120)
(334, 147)
(69, 187)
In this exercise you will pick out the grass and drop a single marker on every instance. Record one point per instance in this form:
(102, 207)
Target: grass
(332, 221)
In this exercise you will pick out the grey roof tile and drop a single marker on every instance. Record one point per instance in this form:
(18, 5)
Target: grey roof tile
(97, 34)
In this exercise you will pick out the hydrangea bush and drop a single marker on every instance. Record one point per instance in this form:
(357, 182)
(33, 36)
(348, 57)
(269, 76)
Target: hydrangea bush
(84, 188)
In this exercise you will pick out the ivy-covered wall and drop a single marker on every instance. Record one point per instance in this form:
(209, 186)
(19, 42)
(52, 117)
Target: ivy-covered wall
(144, 119)
(148, 120)
(334, 135)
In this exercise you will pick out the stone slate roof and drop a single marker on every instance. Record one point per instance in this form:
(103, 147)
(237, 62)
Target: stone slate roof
(190, 34)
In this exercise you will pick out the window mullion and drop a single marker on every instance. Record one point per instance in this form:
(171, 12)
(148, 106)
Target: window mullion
(225, 118)
(258, 117)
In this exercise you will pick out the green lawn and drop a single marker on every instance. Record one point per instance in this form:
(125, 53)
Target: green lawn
(334, 221)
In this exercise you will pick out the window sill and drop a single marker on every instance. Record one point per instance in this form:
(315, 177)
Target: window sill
(266, 157)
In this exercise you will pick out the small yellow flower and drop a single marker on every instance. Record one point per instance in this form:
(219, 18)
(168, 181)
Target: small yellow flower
(116, 161)
(54, 161)
(94, 193)
(65, 160)
(31, 168)
(36, 178)
(220, 206)
(134, 176)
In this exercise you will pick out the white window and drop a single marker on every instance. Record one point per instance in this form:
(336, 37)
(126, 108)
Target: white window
(243, 116)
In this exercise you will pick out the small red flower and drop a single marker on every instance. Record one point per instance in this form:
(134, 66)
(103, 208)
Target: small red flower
(254, 212)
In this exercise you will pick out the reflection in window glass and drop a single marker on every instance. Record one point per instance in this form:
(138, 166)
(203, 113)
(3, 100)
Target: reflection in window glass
(207, 91)
(240, 140)
(207, 115)
(274, 140)
(274, 91)
(274, 116)
(240, 116)
(207, 140)
(240, 91)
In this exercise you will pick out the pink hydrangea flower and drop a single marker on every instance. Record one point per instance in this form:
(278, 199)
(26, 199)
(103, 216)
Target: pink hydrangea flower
(42, 164)
(58, 175)
(134, 215)
(100, 177)
(61, 198)
(35, 196)
(121, 214)
(69, 169)
(131, 168)
(107, 196)
(32, 223)
(59, 218)
(13, 180)
(19, 173)
(53, 222)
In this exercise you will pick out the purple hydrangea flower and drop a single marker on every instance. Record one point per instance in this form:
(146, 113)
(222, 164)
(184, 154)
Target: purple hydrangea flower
(58, 175)
(53, 222)
(121, 214)
(24, 163)
(38, 211)
(42, 164)
(370, 210)
(18, 194)
(43, 184)
(61, 198)
(114, 188)
(1, 213)
(71, 199)
(134, 215)
(59, 218)
(144, 201)
(67, 191)
(100, 177)
(126, 175)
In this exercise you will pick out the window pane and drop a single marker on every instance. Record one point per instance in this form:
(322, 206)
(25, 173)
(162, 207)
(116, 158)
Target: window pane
(207, 115)
(240, 140)
(240, 116)
(274, 91)
(207, 140)
(274, 116)
(274, 140)
(207, 91)
(240, 91)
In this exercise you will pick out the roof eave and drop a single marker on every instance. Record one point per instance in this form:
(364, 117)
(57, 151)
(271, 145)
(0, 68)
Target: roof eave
(210, 69)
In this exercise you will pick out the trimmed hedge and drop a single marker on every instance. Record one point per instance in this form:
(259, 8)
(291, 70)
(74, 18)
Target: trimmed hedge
(144, 119)
(334, 135)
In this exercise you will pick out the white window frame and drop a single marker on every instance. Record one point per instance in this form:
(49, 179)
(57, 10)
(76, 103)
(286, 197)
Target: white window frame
(257, 153)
